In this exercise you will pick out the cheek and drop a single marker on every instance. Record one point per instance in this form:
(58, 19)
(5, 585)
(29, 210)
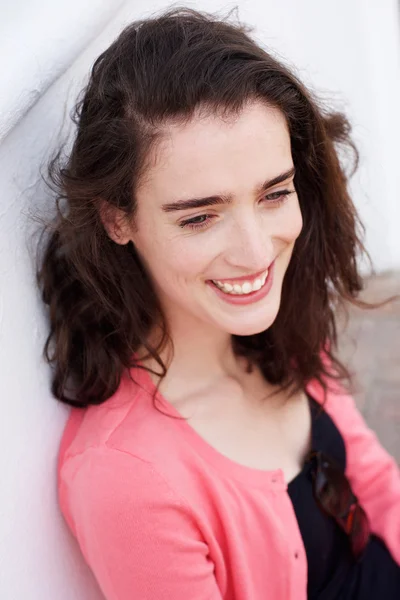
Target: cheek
(173, 259)
(187, 257)
(298, 225)
(292, 223)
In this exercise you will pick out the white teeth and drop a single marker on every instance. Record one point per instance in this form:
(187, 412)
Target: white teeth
(245, 288)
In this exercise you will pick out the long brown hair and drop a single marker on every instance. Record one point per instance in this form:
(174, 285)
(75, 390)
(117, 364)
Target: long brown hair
(102, 305)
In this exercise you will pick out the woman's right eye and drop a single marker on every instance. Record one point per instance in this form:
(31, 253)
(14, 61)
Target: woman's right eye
(199, 222)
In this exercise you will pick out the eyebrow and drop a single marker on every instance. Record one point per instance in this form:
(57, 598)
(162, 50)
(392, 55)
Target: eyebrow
(185, 204)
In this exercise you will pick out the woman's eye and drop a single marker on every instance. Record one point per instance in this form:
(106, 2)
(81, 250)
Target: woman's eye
(202, 221)
(198, 222)
(278, 197)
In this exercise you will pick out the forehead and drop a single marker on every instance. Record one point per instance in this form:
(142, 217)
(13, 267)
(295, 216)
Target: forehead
(209, 153)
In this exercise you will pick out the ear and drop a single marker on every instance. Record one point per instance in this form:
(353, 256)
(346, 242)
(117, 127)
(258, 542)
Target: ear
(115, 223)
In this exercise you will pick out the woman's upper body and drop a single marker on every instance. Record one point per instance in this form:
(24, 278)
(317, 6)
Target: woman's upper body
(204, 209)
(160, 513)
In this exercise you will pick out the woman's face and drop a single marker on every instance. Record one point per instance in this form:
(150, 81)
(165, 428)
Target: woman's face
(236, 227)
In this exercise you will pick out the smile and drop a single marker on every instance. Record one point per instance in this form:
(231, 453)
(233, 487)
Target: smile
(242, 287)
(243, 291)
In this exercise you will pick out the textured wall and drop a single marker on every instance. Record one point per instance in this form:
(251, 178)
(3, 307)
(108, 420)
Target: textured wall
(331, 43)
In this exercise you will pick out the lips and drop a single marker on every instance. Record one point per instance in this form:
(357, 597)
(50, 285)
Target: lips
(243, 294)
(243, 278)
(242, 287)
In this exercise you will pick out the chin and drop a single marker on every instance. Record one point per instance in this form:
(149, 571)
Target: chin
(246, 329)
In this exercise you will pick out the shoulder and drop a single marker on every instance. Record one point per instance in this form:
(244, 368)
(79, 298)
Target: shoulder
(127, 422)
(104, 484)
(123, 452)
(107, 482)
(336, 400)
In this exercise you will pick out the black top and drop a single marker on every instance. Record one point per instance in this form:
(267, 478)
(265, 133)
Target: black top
(333, 573)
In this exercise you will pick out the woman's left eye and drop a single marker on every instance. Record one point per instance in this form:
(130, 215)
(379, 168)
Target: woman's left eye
(202, 221)
(278, 197)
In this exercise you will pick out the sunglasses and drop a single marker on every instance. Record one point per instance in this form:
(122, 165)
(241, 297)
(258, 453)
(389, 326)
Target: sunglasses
(333, 493)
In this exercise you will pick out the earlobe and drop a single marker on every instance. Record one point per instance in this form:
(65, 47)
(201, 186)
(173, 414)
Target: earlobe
(114, 223)
(116, 235)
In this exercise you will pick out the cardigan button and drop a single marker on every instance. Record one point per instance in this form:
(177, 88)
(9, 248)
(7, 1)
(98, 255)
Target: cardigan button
(296, 554)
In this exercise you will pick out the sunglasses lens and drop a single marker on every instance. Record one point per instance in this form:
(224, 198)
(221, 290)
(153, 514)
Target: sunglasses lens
(360, 531)
(333, 491)
(335, 496)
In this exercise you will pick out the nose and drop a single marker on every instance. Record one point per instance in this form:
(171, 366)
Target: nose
(250, 247)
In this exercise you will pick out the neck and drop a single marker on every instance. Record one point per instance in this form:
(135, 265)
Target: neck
(202, 355)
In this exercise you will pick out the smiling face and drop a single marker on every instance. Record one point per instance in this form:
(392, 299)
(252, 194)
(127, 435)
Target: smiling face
(246, 231)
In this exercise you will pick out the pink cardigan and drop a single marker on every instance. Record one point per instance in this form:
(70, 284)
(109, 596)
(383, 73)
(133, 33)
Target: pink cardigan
(161, 515)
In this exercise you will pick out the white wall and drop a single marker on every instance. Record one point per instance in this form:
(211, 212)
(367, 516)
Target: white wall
(350, 47)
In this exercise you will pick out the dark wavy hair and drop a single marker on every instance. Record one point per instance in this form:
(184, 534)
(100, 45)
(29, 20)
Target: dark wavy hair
(101, 302)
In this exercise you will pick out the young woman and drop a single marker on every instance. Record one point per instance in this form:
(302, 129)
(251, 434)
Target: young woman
(204, 243)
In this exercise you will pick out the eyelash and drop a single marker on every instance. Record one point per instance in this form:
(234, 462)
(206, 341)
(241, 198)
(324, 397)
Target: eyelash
(190, 224)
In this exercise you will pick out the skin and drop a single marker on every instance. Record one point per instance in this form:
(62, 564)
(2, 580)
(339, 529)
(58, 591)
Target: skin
(210, 156)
